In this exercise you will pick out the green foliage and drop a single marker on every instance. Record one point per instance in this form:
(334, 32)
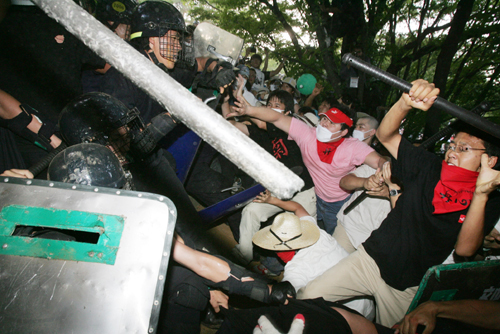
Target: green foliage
(401, 36)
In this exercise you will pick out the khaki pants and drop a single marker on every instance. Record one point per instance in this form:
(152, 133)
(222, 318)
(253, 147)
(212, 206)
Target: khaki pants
(359, 275)
(342, 238)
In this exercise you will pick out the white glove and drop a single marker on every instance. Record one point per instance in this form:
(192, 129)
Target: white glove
(266, 327)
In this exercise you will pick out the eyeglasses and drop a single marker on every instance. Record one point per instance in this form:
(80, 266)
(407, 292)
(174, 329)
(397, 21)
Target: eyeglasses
(462, 148)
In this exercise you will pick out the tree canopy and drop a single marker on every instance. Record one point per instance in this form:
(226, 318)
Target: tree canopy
(451, 43)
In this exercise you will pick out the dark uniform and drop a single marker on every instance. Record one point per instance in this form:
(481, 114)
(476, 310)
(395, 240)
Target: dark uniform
(40, 65)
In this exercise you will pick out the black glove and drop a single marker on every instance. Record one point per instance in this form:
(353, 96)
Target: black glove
(19, 125)
(280, 292)
(224, 77)
(256, 289)
(161, 125)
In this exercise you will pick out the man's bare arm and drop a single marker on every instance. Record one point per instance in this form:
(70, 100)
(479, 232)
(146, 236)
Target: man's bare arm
(20, 173)
(291, 206)
(471, 234)
(481, 313)
(422, 95)
(375, 160)
(351, 182)
(277, 69)
(10, 108)
(316, 91)
(281, 121)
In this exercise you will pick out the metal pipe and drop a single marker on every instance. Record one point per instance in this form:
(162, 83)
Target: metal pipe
(440, 103)
(480, 109)
(210, 126)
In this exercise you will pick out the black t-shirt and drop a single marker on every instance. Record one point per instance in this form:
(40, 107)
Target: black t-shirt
(35, 68)
(412, 239)
(275, 141)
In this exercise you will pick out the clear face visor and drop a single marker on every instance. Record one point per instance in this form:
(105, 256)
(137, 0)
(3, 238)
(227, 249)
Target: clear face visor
(125, 137)
(177, 46)
(123, 30)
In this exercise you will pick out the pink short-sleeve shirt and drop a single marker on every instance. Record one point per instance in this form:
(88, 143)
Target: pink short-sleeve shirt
(326, 177)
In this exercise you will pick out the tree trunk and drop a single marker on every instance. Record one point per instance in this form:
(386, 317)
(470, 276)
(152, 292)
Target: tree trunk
(325, 48)
(445, 58)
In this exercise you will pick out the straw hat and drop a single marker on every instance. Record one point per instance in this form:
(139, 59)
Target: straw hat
(290, 81)
(286, 233)
(313, 118)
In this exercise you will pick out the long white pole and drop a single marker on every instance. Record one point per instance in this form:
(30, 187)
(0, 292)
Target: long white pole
(209, 125)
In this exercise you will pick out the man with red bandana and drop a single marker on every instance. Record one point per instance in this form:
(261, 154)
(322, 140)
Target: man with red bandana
(329, 153)
(445, 204)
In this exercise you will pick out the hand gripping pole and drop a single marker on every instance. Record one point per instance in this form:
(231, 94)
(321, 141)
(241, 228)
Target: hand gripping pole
(440, 103)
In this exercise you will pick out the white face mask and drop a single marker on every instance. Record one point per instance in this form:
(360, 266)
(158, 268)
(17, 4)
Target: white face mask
(360, 135)
(324, 135)
(278, 110)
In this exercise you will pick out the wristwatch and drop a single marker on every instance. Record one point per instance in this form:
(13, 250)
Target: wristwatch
(394, 192)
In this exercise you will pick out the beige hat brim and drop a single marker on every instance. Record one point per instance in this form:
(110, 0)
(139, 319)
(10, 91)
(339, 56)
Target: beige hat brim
(265, 239)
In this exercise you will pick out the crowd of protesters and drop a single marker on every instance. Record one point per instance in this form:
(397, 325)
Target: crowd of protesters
(343, 268)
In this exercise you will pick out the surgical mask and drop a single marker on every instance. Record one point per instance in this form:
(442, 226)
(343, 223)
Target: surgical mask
(360, 135)
(278, 110)
(324, 135)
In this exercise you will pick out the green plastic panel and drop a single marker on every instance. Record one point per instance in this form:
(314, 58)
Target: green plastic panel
(466, 280)
(109, 228)
(443, 295)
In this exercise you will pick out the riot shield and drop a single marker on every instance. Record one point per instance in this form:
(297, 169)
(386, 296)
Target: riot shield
(109, 281)
(214, 42)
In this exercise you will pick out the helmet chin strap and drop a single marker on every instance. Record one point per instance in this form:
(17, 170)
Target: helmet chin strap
(155, 60)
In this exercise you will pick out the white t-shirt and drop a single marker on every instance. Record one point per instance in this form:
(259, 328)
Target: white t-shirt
(366, 216)
(249, 97)
(260, 80)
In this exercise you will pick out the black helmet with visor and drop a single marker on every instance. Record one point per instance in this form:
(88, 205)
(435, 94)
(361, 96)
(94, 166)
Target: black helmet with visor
(101, 118)
(155, 19)
(112, 13)
(88, 164)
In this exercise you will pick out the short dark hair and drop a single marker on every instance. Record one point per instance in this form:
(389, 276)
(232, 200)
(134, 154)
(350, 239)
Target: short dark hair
(256, 56)
(349, 113)
(284, 97)
(372, 121)
(331, 100)
(488, 140)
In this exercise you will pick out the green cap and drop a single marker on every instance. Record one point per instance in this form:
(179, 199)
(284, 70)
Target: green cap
(306, 83)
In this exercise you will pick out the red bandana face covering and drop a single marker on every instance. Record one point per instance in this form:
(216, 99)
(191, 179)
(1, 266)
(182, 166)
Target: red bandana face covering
(326, 151)
(454, 190)
(286, 256)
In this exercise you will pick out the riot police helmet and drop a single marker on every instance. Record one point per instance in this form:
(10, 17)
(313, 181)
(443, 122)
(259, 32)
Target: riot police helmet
(87, 164)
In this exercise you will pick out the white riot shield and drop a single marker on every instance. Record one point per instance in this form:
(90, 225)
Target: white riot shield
(214, 42)
(113, 284)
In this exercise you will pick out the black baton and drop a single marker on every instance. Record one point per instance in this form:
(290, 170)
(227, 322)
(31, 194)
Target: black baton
(38, 167)
(440, 103)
